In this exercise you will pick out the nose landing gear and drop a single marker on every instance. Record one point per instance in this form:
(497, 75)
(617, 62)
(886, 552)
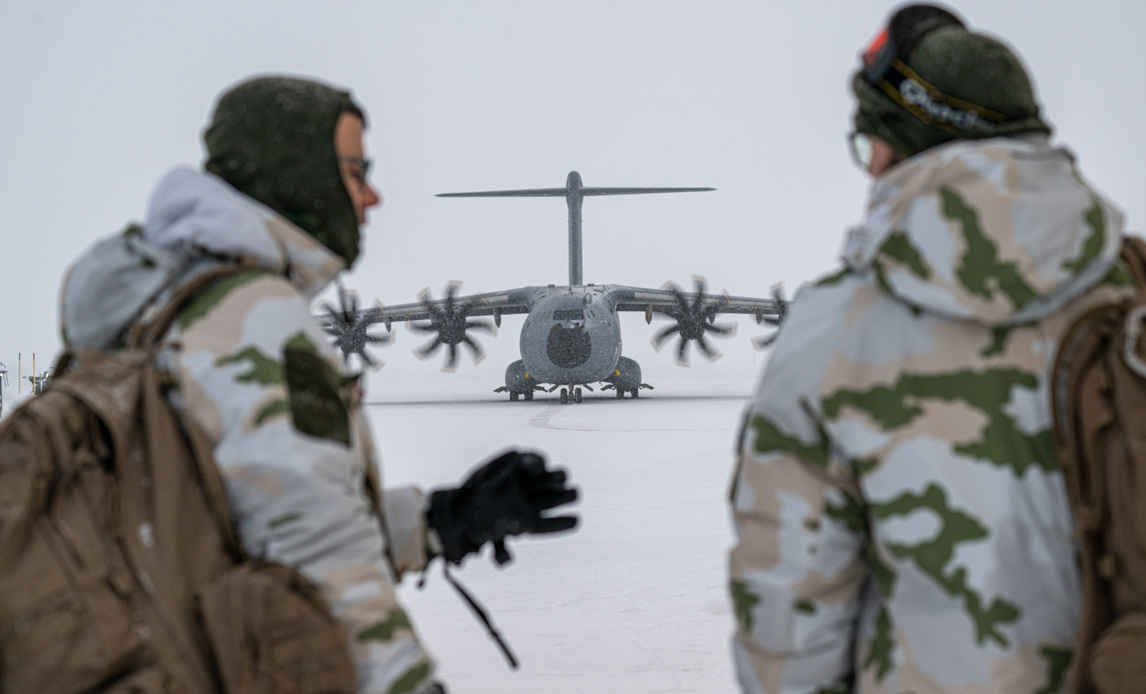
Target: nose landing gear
(573, 394)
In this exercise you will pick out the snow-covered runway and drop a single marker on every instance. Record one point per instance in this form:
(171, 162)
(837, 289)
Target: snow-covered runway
(634, 600)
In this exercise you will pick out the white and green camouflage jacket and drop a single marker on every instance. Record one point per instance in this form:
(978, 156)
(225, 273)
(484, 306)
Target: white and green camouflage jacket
(257, 373)
(902, 525)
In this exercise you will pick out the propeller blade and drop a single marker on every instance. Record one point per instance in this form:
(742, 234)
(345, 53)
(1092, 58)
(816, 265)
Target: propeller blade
(426, 299)
(712, 310)
(428, 348)
(682, 353)
(475, 349)
(766, 341)
(482, 325)
(369, 360)
(681, 299)
(698, 302)
(349, 297)
(710, 353)
(665, 334)
(452, 360)
(331, 314)
(721, 329)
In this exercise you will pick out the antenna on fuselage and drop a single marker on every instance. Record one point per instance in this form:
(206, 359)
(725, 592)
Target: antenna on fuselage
(574, 195)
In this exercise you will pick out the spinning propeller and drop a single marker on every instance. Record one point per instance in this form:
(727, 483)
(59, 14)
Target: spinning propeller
(349, 328)
(777, 321)
(693, 320)
(450, 322)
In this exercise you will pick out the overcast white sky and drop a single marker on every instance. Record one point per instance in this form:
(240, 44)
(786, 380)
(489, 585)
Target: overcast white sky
(98, 100)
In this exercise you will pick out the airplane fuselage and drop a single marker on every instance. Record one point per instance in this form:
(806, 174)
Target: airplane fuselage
(571, 336)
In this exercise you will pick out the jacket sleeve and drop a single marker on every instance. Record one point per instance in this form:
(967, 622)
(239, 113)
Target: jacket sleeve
(796, 570)
(257, 373)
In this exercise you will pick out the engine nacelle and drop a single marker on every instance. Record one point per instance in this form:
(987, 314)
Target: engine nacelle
(517, 378)
(627, 376)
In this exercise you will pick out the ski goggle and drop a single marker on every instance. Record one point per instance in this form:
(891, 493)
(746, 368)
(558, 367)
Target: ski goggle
(884, 69)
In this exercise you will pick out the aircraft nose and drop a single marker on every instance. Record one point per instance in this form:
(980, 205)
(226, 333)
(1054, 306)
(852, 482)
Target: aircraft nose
(568, 348)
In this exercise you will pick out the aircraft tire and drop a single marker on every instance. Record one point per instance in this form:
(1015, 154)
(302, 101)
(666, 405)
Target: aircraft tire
(529, 395)
(512, 396)
(577, 395)
(564, 396)
(620, 393)
(636, 392)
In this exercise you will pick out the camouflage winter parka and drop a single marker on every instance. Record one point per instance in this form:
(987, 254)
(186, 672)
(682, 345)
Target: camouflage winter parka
(902, 523)
(255, 370)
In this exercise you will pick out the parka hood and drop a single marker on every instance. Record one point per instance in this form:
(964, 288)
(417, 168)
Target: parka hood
(999, 231)
(194, 221)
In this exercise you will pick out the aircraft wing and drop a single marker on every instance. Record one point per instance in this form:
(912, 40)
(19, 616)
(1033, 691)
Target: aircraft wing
(494, 304)
(669, 300)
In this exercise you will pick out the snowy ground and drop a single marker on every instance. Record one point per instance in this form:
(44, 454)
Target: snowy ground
(634, 600)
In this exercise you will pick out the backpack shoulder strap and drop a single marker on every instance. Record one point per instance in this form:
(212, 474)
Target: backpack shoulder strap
(1133, 253)
(150, 329)
(146, 335)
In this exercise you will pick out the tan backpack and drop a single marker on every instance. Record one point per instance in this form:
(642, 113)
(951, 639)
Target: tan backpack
(1099, 401)
(120, 570)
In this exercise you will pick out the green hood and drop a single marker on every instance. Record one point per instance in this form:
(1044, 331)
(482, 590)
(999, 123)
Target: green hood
(272, 139)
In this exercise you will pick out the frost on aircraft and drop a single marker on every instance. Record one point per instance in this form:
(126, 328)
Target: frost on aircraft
(571, 337)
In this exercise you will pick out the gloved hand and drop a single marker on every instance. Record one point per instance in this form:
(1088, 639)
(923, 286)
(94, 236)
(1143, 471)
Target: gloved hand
(506, 496)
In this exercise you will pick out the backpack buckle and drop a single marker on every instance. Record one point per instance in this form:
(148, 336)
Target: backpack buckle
(1131, 331)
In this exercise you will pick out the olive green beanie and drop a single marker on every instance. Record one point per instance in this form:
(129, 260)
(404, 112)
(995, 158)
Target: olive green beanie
(964, 66)
(272, 138)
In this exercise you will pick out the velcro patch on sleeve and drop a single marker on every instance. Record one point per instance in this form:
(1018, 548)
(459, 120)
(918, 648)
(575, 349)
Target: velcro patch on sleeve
(316, 405)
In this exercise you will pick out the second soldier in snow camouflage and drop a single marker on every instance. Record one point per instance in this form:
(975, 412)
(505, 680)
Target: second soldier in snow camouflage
(902, 523)
(285, 190)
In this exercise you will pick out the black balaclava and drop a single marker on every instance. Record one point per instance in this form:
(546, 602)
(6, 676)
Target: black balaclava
(272, 138)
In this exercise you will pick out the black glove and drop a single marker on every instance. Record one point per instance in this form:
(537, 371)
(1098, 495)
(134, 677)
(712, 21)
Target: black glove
(506, 496)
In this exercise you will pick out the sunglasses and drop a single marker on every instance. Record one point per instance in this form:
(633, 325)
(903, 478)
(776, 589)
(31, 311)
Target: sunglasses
(860, 146)
(363, 167)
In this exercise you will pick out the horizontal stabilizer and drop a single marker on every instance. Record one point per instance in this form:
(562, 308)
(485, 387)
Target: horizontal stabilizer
(562, 192)
(534, 193)
(574, 194)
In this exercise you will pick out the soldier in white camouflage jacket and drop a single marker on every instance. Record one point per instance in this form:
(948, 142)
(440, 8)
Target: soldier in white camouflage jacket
(285, 188)
(902, 522)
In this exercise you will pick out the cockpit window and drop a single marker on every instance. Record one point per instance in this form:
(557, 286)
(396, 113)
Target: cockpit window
(560, 315)
(576, 315)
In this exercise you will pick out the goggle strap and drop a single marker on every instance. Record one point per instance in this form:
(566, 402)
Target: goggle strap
(956, 102)
(906, 74)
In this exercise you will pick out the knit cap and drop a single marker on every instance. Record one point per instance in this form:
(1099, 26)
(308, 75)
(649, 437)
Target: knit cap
(927, 80)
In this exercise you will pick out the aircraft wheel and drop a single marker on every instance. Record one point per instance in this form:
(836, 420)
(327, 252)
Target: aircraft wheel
(577, 395)
(512, 396)
(636, 392)
(564, 396)
(620, 393)
(529, 395)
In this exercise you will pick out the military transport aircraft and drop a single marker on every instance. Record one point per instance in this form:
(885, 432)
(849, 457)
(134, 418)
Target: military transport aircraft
(572, 336)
